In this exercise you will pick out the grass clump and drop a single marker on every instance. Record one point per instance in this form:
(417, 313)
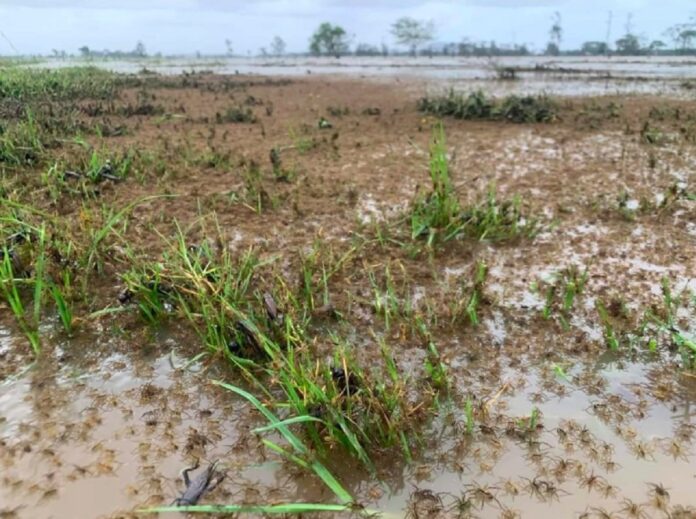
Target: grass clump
(437, 213)
(22, 142)
(561, 292)
(477, 106)
(665, 326)
(494, 219)
(468, 302)
(474, 106)
(527, 109)
(263, 327)
(10, 285)
(440, 216)
(18, 280)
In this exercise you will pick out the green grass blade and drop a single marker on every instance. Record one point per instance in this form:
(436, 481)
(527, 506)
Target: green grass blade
(289, 421)
(39, 268)
(290, 508)
(279, 450)
(113, 221)
(295, 442)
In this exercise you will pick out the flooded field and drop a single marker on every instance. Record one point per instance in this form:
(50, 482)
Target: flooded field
(567, 76)
(357, 296)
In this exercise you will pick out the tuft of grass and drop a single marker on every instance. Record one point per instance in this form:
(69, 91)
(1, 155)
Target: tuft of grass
(358, 409)
(663, 321)
(440, 216)
(22, 144)
(468, 302)
(386, 302)
(527, 109)
(63, 307)
(39, 276)
(469, 415)
(435, 369)
(562, 291)
(496, 220)
(10, 284)
(436, 213)
(65, 84)
(300, 141)
(611, 338)
(534, 417)
(112, 219)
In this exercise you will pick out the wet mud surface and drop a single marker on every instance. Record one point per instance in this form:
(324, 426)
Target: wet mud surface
(102, 422)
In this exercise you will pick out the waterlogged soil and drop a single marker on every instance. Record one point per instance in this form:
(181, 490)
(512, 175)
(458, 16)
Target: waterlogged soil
(565, 75)
(102, 422)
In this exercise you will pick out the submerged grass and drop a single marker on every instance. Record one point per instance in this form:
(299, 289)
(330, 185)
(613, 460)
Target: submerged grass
(662, 327)
(471, 296)
(63, 307)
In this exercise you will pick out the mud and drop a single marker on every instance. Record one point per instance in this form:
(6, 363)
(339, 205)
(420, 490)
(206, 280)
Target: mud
(101, 424)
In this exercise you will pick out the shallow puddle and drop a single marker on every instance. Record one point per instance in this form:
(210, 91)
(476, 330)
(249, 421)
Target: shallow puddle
(119, 428)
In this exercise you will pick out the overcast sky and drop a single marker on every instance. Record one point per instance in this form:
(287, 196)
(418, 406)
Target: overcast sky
(186, 26)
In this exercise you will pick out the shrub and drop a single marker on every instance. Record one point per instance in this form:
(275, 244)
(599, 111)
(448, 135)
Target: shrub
(236, 114)
(476, 105)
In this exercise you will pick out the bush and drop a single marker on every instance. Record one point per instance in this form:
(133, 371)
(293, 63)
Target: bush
(236, 114)
(473, 106)
(527, 109)
(476, 105)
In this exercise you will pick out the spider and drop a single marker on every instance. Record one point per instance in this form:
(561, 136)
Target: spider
(423, 503)
(603, 514)
(542, 489)
(593, 482)
(508, 513)
(643, 450)
(609, 490)
(660, 495)
(634, 510)
(462, 506)
(657, 489)
(511, 488)
(481, 494)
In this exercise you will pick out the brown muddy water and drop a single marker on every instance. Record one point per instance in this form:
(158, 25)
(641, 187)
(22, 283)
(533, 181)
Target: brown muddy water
(87, 435)
(101, 435)
(102, 423)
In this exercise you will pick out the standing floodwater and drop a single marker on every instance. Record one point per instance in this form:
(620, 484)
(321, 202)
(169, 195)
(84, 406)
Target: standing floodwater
(348, 292)
(582, 75)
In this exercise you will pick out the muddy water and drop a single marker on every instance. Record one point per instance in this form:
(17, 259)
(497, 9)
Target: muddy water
(570, 76)
(92, 435)
(589, 445)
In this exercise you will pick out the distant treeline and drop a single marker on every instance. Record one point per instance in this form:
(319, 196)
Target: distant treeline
(417, 38)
